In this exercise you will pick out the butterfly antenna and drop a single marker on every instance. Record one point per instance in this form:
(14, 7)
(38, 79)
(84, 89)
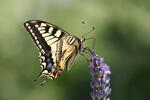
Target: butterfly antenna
(92, 29)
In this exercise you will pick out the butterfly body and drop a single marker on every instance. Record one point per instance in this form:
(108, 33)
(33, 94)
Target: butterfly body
(57, 47)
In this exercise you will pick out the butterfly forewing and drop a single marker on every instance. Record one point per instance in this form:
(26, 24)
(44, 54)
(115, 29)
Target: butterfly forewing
(57, 47)
(43, 34)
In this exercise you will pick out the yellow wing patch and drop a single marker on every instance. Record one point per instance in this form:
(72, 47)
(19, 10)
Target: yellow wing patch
(69, 53)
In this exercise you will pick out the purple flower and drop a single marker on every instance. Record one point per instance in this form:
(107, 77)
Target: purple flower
(100, 78)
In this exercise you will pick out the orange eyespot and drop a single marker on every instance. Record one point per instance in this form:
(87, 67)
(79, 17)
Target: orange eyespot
(59, 73)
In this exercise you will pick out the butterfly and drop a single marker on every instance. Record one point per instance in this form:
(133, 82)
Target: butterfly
(57, 47)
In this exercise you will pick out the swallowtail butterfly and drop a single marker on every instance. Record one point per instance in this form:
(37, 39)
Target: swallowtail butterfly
(57, 47)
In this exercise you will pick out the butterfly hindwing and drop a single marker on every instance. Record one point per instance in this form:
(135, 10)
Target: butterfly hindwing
(57, 47)
(70, 56)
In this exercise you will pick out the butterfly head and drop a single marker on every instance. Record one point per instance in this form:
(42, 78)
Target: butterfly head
(82, 39)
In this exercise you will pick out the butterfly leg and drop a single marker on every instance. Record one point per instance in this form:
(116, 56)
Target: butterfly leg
(84, 57)
(86, 50)
(93, 42)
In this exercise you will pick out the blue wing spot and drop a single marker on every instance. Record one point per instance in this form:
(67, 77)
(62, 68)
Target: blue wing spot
(49, 62)
(49, 67)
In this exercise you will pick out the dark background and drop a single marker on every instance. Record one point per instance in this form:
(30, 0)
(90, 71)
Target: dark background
(122, 37)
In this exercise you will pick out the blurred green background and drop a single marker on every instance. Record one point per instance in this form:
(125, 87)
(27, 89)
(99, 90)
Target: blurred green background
(122, 37)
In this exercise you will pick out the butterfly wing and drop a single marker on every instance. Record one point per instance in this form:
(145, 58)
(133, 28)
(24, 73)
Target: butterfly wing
(68, 57)
(44, 34)
(71, 60)
(57, 47)
(47, 38)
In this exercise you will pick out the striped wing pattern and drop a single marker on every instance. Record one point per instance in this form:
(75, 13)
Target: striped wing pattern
(57, 47)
